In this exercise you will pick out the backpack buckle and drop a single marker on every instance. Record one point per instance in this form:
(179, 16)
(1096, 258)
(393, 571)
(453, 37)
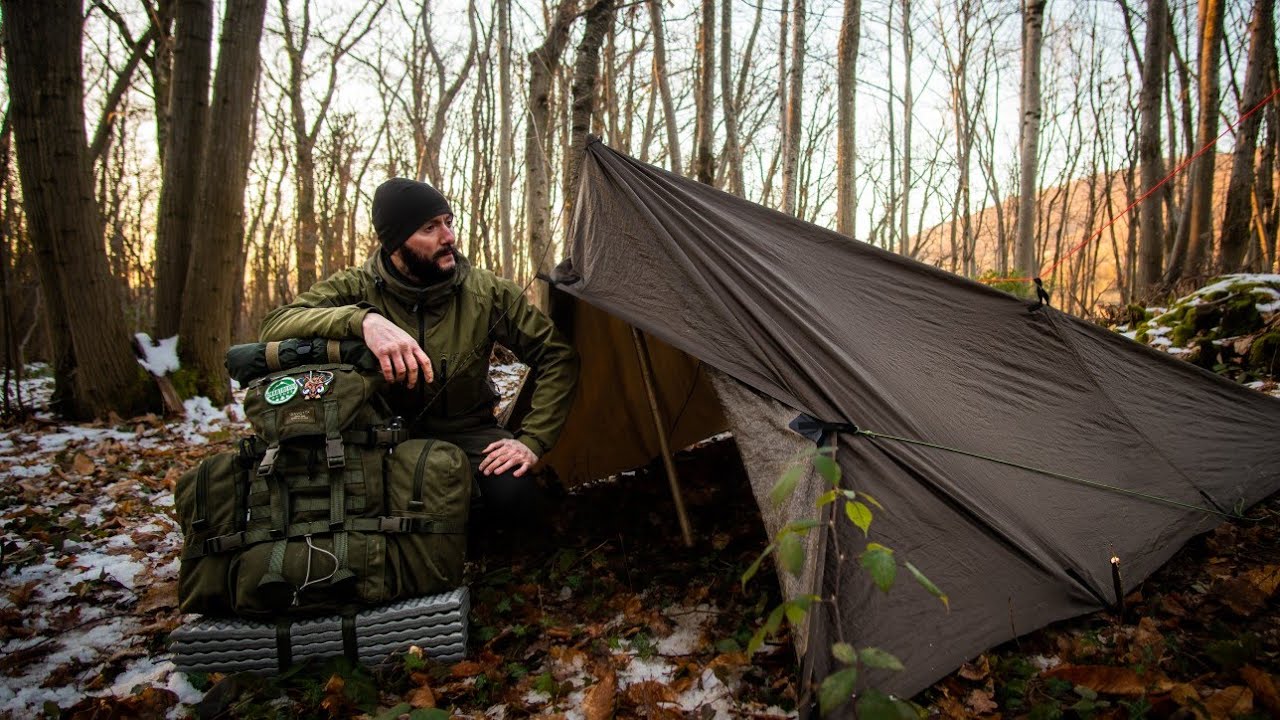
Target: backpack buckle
(223, 543)
(268, 464)
(395, 524)
(333, 452)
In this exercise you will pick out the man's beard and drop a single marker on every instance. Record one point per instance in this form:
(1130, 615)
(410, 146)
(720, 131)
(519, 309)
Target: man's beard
(424, 268)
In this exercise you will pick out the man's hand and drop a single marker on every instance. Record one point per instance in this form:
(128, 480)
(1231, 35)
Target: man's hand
(396, 351)
(503, 455)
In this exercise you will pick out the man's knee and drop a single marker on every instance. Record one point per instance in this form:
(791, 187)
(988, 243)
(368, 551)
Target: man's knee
(507, 496)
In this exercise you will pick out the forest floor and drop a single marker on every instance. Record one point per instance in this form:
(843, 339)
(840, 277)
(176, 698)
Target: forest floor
(596, 611)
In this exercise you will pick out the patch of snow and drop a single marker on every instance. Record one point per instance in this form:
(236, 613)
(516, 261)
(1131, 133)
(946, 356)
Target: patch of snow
(1266, 308)
(687, 635)
(160, 356)
(1045, 662)
(707, 692)
(641, 670)
(23, 697)
(536, 697)
(1229, 281)
(1161, 341)
(1131, 334)
(70, 435)
(29, 471)
(498, 712)
(1159, 330)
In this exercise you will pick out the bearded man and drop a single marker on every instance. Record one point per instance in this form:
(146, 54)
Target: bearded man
(432, 319)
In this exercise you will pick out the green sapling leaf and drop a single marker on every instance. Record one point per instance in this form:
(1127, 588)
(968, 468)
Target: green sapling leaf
(859, 515)
(774, 620)
(877, 658)
(786, 484)
(927, 584)
(795, 614)
(757, 640)
(836, 689)
(827, 498)
(791, 553)
(828, 469)
(845, 653)
(878, 560)
(755, 566)
(873, 501)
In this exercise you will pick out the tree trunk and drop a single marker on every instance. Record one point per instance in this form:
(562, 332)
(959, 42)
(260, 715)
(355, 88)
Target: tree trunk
(1238, 237)
(908, 46)
(664, 88)
(1199, 233)
(42, 46)
(505, 211)
(733, 145)
(1155, 64)
(586, 71)
(211, 278)
(537, 206)
(188, 115)
(794, 106)
(846, 118)
(704, 112)
(1033, 26)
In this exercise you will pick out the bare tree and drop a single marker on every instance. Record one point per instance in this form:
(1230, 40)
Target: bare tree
(846, 119)
(93, 367)
(792, 109)
(664, 88)
(1032, 39)
(537, 150)
(211, 288)
(908, 50)
(704, 112)
(729, 100)
(1155, 63)
(1237, 224)
(297, 42)
(505, 151)
(1190, 259)
(188, 110)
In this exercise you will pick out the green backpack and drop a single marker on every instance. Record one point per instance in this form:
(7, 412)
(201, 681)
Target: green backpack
(329, 506)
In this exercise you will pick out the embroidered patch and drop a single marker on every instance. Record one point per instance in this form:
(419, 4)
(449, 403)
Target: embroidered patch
(315, 384)
(281, 391)
(304, 414)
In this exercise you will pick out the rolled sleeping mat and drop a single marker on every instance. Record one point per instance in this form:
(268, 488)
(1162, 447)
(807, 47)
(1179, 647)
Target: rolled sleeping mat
(436, 623)
(251, 361)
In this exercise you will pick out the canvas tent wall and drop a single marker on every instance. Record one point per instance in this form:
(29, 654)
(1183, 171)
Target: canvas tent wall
(855, 336)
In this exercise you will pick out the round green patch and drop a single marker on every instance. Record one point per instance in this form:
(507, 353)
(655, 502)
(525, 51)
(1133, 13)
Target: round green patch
(281, 391)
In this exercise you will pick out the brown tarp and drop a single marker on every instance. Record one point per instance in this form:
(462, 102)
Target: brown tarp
(848, 333)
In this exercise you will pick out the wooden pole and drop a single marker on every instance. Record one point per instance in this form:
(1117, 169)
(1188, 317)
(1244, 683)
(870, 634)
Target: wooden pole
(659, 424)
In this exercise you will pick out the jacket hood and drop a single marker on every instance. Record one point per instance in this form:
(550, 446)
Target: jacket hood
(398, 286)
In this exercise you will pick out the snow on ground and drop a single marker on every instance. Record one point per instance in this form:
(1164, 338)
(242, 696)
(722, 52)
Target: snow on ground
(160, 356)
(75, 600)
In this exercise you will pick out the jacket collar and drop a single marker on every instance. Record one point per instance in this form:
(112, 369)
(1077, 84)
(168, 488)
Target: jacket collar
(402, 289)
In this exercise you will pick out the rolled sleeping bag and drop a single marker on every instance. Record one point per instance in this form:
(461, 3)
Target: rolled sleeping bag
(251, 361)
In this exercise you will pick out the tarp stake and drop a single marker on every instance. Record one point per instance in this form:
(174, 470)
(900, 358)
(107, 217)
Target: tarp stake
(642, 352)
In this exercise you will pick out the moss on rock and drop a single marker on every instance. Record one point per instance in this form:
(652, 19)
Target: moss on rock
(1264, 355)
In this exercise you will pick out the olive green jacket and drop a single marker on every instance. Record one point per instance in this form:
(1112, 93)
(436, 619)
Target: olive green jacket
(456, 322)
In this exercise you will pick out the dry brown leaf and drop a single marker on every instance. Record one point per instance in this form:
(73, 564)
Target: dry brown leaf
(422, 697)
(976, 670)
(597, 703)
(82, 464)
(158, 596)
(22, 594)
(1230, 702)
(1147, 645)
(466, 669)
(1264, 689)
(1184, 694)
(1110, 680)
(979, 701)
(951, 709)
(335, 685)
(1264, 579)
(647, 695)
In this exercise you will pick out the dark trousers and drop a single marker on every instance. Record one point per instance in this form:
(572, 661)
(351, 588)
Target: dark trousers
(503, 497)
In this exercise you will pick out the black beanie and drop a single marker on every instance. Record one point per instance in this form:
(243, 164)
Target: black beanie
(401, 206)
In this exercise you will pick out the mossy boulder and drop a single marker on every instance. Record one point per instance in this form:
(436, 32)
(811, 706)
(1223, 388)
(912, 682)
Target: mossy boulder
(1264, 354)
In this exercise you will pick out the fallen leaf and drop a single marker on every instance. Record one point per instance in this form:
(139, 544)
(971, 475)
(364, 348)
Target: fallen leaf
(976, 670)
(82, 464)
(1230, 702)
(422, 697)
(1264, 689)
(1110, 680)
(335, 685)
(597, 703)
(979, 701)
(647, 695)
(466, 669)
(22, 594)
